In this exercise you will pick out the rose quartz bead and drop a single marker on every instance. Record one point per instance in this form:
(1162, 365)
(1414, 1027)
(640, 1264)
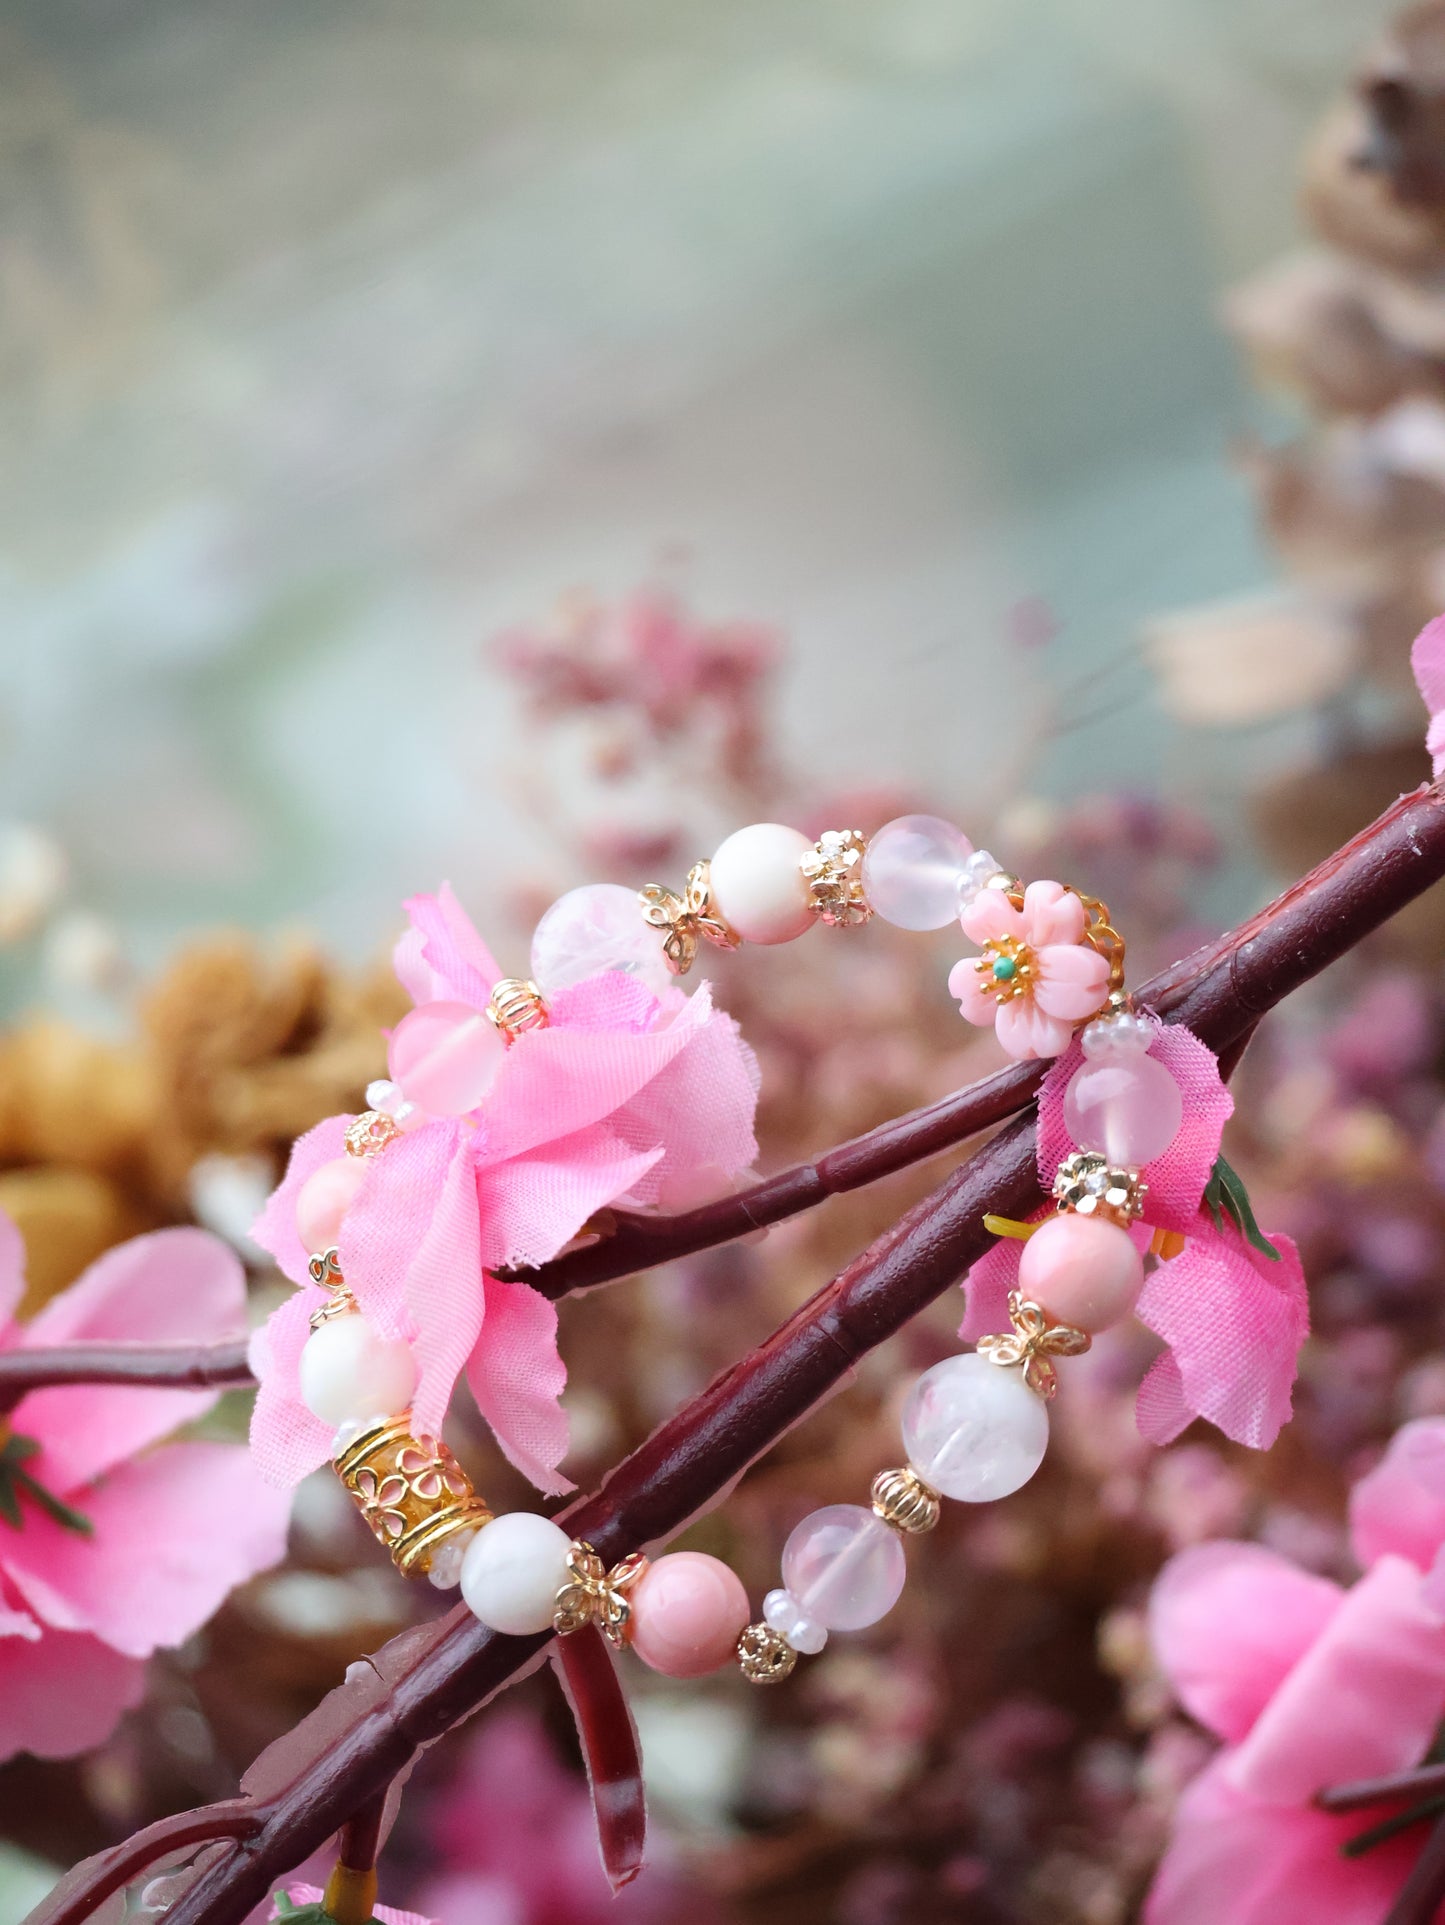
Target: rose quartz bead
(913, 869)
(1127, 1107)
(1083, 1270)
(844, 1566)
(445, 1057)
(324, 1199)
(758, 887)
(688, 1612)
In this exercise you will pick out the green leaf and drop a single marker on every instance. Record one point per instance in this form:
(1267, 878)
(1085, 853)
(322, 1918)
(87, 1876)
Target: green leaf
(1226, 1196)
(315, 1914)
(16, 1482)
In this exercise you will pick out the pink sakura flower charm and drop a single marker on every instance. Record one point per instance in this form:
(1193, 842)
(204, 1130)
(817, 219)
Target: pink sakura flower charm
(1037, 976)
(1307, 1684)
(119, 1548)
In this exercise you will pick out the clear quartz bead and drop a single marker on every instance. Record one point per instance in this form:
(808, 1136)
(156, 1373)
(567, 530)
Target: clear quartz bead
(913, 869)
(1125, 1106)
(974, 1430)
(844, 1567)
(782, 1611)
(595, 928)
(978, 872)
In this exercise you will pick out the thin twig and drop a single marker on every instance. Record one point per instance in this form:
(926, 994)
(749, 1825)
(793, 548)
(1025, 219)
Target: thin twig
(220, 1366)
(428, 1680)
(1419, 1783)
(1422, 1891)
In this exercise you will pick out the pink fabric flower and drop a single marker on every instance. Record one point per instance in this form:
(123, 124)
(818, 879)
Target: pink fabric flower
(1037, 976)
(173, 1530)
(1427, 658)
(313, 1894)
(1307, 1685)
(1232, 1318)
(623, 1097)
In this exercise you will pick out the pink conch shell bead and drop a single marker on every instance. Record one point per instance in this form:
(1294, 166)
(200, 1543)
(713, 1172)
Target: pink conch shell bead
(445, 1057)
(1082, 1270)
(324, 1199)
(688, 1612)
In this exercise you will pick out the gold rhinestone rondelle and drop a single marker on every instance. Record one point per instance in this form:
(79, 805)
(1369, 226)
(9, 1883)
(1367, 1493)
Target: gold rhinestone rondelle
(764, 1656)
(516, 1006)
(833, 870)
(369, 1133)
(902, 1499)
(1087, 1184)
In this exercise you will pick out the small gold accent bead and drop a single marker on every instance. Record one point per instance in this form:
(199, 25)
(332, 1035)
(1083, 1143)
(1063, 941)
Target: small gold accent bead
(411, 1491)
(1034, 1342)
(1089, 1185)
(688, 919)
(765, 1657)
(370, 1133)
(516, 1006)
(833, 869)
(902, 1499)
(595, 1595)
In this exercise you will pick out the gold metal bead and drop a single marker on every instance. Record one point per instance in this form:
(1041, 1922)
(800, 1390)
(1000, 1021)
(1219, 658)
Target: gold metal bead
(1033, 1343)
(833, 870)
(1089, 1185)
(411, 1491)
(516, 1006)
(595, 1595)
(688, 919)
(325, 1269)
(765, 1657)
(902, 1499)
(370, 1133)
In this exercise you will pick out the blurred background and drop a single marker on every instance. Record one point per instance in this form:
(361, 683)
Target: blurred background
(517, 444)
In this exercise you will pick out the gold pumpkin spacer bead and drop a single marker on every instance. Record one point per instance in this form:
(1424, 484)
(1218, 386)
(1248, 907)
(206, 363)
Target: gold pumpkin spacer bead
(764, 1656)
(904, 1501)
(516, 1006)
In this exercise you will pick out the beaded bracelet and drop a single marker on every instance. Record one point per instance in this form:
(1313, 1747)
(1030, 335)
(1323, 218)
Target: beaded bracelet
(975, 1426)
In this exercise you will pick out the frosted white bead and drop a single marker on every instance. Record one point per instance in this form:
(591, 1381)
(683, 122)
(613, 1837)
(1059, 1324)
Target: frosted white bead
(445, 1570)
(844, 1566)
(757, 885)
(974, 1431)
(349, 1372)
(913, 869)
(978, 872)
(1126, 1034)
(787, 1617)
(513, 1570)
(594, 928)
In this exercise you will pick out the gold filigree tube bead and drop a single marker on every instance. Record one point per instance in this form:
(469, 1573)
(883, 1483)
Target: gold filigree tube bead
(411, 1490)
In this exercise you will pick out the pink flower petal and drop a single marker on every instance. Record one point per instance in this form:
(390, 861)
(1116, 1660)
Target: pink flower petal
(1234, 1321)
(1427, 659)
(1364, 1700)
(462, 967)
(1177, 1178)
(1027, 1031)
(1236, 1861)
(1161, 1410)
(533, 1206)
(1052, 914)
(971, 987)
(287, 1442)
(444, 1293)
(63, 1694)
(388, 1222)
(1228, 1622)
(986, 1289)
(990, 917)
(275, 1229)
(175, 1286)
(174, 1533)
(1071, 982)
(517, 1376)
(1400, 1505)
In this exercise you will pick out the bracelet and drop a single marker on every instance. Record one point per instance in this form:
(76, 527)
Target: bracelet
(501, 1089)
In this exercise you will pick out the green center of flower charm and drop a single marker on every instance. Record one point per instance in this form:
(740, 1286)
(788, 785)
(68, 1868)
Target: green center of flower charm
(1006, 969)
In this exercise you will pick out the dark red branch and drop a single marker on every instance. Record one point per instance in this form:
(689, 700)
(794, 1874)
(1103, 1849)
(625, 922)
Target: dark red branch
(1422, 1891)
(169, 1366)
(427, 1680)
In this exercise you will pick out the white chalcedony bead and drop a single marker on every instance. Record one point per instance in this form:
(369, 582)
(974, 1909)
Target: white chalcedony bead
(349, 1372)
(978, 872)
(913, 869)
(844, 1566)
(974, 1430)
(1127, 1034)
(757, 886)
(513, 1570)
(445, 1569)
(594, 928)
(782, 1611)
